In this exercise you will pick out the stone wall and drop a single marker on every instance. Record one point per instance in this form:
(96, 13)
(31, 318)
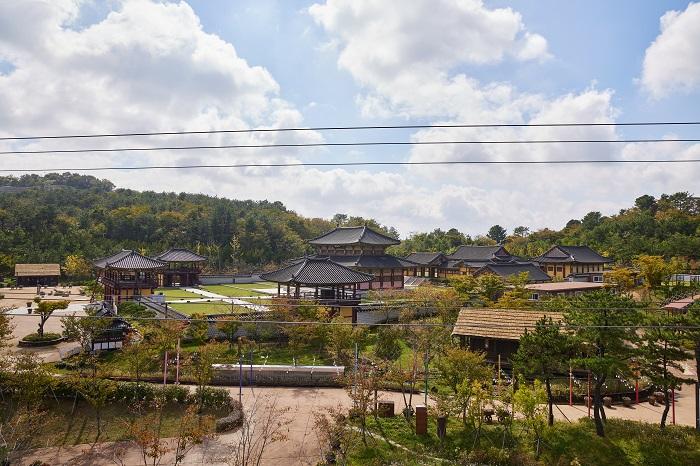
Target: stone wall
(278, 375)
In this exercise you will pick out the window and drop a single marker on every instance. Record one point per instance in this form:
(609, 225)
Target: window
(535, 297)
(597, 278)
(550, 268)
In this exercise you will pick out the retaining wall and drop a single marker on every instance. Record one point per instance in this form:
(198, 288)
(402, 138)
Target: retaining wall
(278, 375)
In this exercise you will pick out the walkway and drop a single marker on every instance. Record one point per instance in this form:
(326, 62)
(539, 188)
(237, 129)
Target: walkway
(302, 405)
(229, 300)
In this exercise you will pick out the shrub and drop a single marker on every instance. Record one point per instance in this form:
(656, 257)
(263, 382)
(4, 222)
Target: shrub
(37, 299)
(131, 392)
(132, 309)
(44, 337)
(175, 393)
(212, 398)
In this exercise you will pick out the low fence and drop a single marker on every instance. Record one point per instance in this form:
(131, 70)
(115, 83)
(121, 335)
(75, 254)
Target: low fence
(225, 279)
(277, 375)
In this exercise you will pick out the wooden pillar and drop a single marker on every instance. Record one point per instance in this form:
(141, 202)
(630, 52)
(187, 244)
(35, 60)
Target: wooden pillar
(278, 289)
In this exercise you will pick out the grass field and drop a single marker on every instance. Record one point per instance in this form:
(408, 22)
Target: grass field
(64, 427)
(213, 307)
(232, 291)
(176, 293)
(626, 443)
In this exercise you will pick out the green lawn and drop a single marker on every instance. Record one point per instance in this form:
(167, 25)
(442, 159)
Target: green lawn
(626, 443)
(176, 293)
(232, 290)
(213, 307)
(63, 427)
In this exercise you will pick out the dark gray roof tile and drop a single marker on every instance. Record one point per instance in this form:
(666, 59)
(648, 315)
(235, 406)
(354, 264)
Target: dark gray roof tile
(353, 235)
(317, 271)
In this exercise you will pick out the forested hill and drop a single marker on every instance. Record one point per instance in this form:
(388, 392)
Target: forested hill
(668, 226)
(47, 218)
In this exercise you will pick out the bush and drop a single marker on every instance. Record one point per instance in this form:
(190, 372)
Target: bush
(212, 398)
(175, 393)
(130, 392)
(234, 419)
(132, 309)
(44, 337)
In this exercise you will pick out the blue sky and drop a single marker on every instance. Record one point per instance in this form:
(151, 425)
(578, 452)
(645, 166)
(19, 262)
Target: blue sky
(72, 66)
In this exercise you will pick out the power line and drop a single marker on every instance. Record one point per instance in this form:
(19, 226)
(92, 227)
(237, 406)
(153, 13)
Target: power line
(490, 326)
(341, 144)
(352, 164)
(352, 128)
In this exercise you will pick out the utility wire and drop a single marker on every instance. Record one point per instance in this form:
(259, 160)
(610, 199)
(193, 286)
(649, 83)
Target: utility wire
(352, 128)
(490, 326)
(353, 164)
(340, 144)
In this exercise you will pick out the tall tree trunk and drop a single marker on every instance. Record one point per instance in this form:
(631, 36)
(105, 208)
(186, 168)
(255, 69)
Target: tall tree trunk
(667, 406)
(550, 401)
(598, 407)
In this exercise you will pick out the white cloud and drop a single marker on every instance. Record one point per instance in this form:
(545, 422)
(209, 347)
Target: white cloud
(150, 66)
(672, 61)
(398, 49)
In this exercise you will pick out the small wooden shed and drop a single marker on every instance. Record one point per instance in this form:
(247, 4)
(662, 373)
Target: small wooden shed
(37, 274)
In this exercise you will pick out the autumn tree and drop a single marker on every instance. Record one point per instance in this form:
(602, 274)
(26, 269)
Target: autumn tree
(77, 266)
(264, 424)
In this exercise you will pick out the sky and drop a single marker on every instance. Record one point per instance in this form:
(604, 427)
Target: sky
(80, 67)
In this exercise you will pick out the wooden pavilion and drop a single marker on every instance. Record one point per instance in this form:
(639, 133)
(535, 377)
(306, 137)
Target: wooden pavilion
(128, 274)
(324, 279)
(184, 267)
(37, 274)
(497, 332)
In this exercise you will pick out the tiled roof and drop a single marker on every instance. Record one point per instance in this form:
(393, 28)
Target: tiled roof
(384, 261)
(572, 254)
(682, 303)
(37, 270)
(179, 255)
(321, 271)
(427, 258)
(128, 260)
(535, 274)
(504, 324)
(479, 253)
(353, 235)
(565, 286)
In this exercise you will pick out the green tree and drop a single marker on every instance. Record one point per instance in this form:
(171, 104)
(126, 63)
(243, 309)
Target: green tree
(661, 353)
(461, 370)
(542, 354)
(528, 401)
(45, 309)
(604, 327)
(497, 233)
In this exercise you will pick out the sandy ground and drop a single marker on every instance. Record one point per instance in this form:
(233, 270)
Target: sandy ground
(25, 323)
(301, 448)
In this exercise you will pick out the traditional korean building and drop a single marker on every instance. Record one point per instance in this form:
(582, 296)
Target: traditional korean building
(574, 263)
(496, 332)
(321, 280)
(434, 265)
(364, 250)
(508, 270)
(542, 290)
(128, 274)
(37, 274)
(184, 267)
(475, 257)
